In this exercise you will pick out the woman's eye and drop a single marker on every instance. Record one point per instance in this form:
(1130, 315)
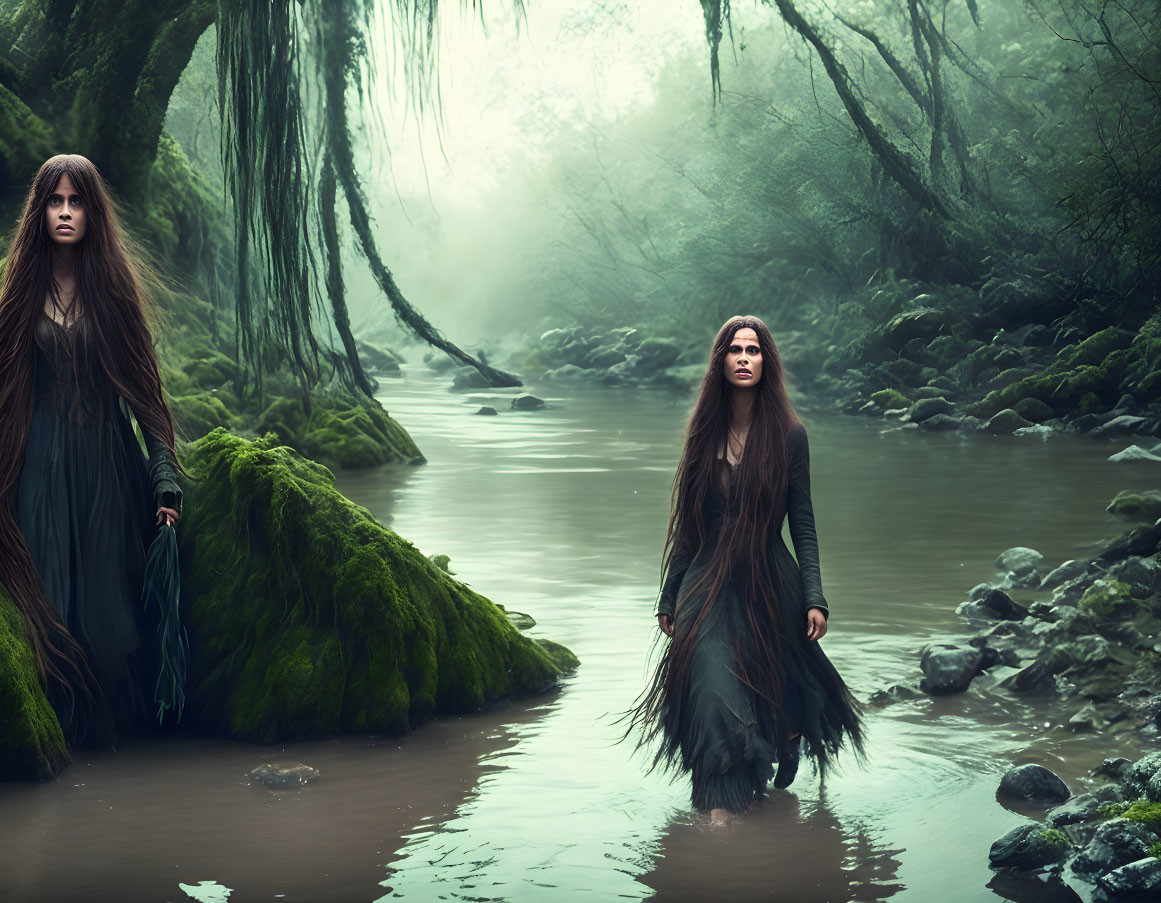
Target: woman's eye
(76, 201)
(753, 351)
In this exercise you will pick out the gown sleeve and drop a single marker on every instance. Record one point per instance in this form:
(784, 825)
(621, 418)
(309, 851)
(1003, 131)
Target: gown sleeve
(678, 564)
(162, 474)
(800, 511)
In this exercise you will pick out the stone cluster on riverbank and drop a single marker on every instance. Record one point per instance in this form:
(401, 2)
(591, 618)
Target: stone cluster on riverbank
(623, 356)
(1091, 640)
(1091, 643)
(1109, 836)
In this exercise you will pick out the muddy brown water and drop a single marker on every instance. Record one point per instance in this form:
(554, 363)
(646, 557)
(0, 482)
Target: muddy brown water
(560, 513)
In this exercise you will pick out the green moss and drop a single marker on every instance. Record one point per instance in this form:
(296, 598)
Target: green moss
(31, 743)
(211, 369)
(1145, 812)
(26, 141)
(1112, 810)
(1093, 350)
(1108, 598)
(1054, 838)
(1061, 391)
(196, 415)
(1155, 850)
(890, 398)
(307, 617)
(349, 430)
(1089, 403)
(1132, 504)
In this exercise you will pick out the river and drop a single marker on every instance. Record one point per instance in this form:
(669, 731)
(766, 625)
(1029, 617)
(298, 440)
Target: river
(560, 513)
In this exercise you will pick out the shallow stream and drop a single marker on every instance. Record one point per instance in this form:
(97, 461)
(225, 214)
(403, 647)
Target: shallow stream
(560, 513)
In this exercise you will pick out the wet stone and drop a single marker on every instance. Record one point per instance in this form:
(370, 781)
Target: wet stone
(1134, 453)
(1115, 768)
(487, 411)
(1139, 774)
(1139, 880)
(949, 669)
(1035, 783)
(1025, 847)
(1115, 843)
(1034, 677)
(527, 403)
(1070, 570)
(1080, 808)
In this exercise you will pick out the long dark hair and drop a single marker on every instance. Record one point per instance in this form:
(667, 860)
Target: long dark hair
(759, 482)
(112, 279)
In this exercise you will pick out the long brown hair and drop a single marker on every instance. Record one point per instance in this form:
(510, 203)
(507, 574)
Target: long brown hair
(112, 277)
(760, 483)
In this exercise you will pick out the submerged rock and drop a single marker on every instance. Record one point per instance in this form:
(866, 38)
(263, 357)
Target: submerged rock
(1033, 782)
(307, 617)
(281, 776)
(527, 403)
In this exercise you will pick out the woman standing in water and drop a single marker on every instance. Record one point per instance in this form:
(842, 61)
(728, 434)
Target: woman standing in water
(743, 681)
(75, 488)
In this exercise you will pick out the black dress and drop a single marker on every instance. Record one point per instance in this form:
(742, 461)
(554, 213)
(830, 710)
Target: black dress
(85, 504)
(727, 734)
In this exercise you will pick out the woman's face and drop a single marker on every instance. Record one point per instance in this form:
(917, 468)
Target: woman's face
(743, 364)
(64, 214)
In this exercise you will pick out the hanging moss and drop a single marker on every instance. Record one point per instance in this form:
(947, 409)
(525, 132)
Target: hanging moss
(307, 617)
(31, 743)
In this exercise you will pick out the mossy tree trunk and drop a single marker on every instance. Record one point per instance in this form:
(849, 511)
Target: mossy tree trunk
(99, 75)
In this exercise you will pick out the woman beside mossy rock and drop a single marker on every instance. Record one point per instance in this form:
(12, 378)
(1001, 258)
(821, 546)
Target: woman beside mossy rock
(306, 618)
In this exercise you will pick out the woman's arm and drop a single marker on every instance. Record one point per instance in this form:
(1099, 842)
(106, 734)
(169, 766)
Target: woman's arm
(800, 511)
(162, 474)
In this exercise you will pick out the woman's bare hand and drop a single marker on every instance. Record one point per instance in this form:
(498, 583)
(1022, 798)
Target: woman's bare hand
(815, 624)
(665, 622)
(167, 516)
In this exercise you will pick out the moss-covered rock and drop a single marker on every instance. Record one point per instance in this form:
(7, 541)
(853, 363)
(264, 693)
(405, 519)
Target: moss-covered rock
(1093, 350)
(31, 743)
(1137, 505)
(887, 399)
(307, 617)
(1108, 598)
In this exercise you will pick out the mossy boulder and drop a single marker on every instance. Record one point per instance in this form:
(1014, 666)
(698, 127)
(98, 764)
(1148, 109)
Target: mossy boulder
(888, 399)
(1137, 505)
(308, 618)
(32, 745)
(341, 430)
(1094, 349)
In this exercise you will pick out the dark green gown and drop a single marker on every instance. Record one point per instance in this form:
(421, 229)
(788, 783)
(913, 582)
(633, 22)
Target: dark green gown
(85, 504)
(723, 732)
